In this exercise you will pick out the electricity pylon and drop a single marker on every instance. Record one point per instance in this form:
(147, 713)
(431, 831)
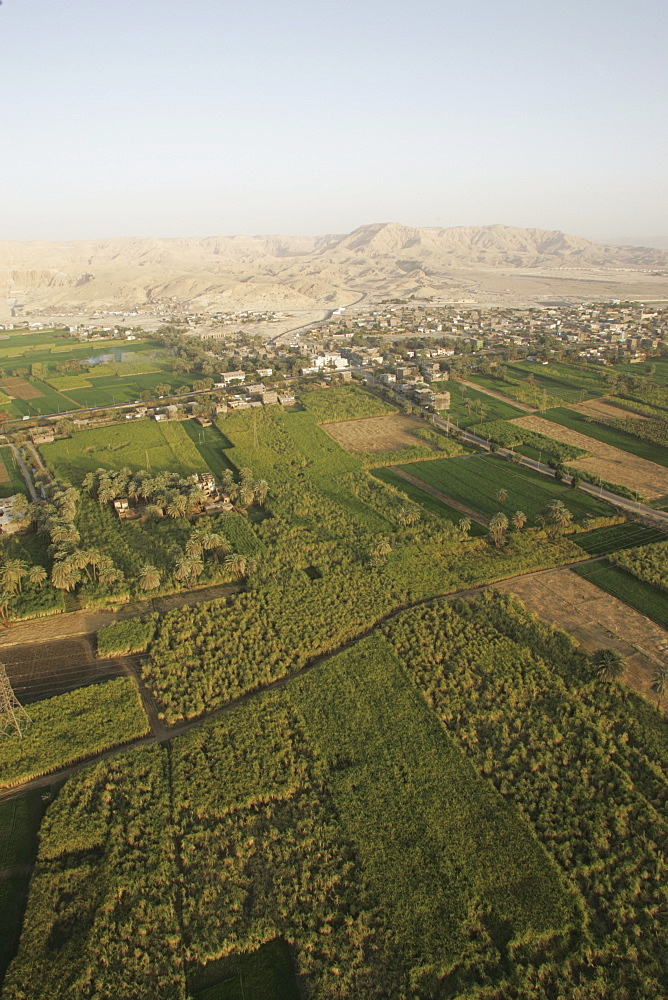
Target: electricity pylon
(13, 716)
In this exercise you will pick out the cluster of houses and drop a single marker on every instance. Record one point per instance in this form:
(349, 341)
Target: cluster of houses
(215, 500)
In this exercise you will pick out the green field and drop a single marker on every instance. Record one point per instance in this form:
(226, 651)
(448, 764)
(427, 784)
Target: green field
(19, 822)
(432, 836)
(568, 382)
(483, 407)
(211, 444)
(430, 503)
(609, 435)
(137, 444)
(474, 480)
(600, 541)
(70, 726)
(17, 483)
(649, 600)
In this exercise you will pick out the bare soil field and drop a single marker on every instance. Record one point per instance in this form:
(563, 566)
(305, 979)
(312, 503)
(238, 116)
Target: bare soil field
(599, 408)
(596, 619)
(376, 434)
(4, 475)
(19, 388)
(606, 461)
(42, 670)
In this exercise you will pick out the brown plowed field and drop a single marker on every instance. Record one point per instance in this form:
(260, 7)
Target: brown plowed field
(609, 463)
(596, 619)
(42, 670)
(19, 388)
(599, 408)
(376, 434)
(4, 475)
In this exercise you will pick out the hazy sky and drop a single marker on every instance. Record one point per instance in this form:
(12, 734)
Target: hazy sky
(200, 117)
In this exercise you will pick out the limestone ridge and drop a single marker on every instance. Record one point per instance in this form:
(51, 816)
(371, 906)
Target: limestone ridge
(290, 272)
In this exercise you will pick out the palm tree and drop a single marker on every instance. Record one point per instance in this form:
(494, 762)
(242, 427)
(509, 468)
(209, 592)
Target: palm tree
(408, 516)
(246, 495)
(261, 488)
(502, 495)
(559, 515)
(660, 683)
(37, 575)
(498, 527)
(245, 475)
(608, 664)
(11, 574)
(519, 520)
(63, 576)
(465, 525)
(149, 576)
(88, 482)
(236, 564)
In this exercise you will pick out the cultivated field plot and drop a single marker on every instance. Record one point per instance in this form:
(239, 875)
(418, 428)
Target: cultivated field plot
(475, 480)
(600, 408)
(606, 461)
(596, 619)
(615, 537)
(426, 500)
(376, 434)
(19, 388)
(613, 436)
(469, 406)
(140, 444)
(42, 670)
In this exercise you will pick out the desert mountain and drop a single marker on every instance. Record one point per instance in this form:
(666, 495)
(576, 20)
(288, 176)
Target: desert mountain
(226, 273)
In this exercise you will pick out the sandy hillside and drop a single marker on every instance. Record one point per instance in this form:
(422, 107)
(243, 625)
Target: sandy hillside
(490, 264)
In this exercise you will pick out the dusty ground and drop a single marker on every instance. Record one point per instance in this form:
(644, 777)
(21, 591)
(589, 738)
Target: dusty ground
(599, 408)
(41, 670)
(376, 434)
(609, 463)
(4, 475)
(19, 388)
(597, 620)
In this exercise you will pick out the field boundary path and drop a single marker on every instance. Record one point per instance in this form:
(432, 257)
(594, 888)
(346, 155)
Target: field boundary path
(83, 622)
(443, 497)
(25, 472)
(163, 734)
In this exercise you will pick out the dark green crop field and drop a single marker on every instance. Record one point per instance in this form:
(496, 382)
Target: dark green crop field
(430, 503)
(617, 536)
(475, 480)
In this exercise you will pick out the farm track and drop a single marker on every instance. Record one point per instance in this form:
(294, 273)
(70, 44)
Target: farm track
(443, 497)
(160, 733)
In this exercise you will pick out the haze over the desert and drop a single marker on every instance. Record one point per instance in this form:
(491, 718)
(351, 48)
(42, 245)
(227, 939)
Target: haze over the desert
(189, 119)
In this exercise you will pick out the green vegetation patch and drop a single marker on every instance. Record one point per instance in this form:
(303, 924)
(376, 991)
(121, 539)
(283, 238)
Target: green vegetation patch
(434, 838)
(426, 500)
(130, 636)
(475, 480)
(609, 435)
(510, 435)
(645, 598)
(19, 822)
(211, 444)
(470, 407)
(648, 563)
(140, 444)
(601, 541)
(343, 403)
(71, 726)
(15, 481)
